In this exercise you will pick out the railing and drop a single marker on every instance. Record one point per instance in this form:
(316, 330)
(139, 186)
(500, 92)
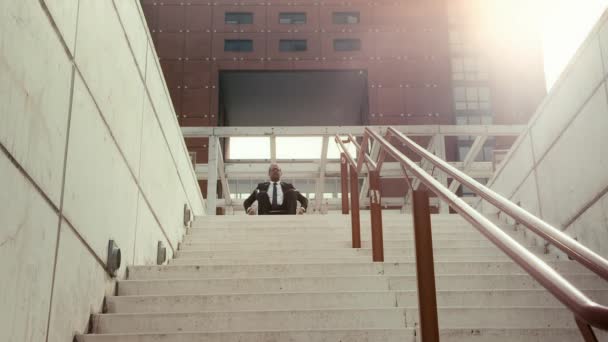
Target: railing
(587, 313)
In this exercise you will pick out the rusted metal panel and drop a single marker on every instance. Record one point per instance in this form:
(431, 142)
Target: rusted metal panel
(375, 209)
(198, 17)
(389, 15)
(313, 46)
(173, 72)
(176, 98)
(198, 45)
(354, 207)
(259, 45)
(195, 102)
(197, 74)
(279, 65)
(217, 49)
(170, 45)
(171, 18)
(344, 182)
(390, 101)
(389, 45)
(387, 73)
(220, 24)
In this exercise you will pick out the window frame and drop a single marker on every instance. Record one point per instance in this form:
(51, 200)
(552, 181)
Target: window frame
(345, 15)
(240, 50)
(292, 43)
(305, 15)
(337, 41)
(239, 14)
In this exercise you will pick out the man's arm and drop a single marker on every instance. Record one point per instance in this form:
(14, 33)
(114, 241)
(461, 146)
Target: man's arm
(303, 200)
(252, 198)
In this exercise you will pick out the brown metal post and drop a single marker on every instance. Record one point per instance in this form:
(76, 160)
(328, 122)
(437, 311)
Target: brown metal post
(344, 179)
(375, 209)
(586, 330)
(354, 207)
(425, 270)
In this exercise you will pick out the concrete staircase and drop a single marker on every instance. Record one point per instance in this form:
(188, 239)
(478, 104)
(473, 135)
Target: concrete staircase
(295, 278)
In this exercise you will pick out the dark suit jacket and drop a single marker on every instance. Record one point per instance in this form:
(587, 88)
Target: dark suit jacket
(263, 187)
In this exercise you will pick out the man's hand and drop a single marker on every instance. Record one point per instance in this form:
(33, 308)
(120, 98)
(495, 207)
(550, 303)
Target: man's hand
(250, 211)
(301, 211)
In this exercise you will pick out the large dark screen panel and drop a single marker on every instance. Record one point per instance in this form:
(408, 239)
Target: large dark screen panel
(293, 98)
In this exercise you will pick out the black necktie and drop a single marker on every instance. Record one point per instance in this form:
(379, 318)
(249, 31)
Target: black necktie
(274, 194)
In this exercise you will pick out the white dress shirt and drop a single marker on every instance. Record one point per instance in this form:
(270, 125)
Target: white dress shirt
(279, 192)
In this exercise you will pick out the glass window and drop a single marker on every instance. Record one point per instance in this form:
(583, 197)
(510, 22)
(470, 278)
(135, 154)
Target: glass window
(292, 45)
(347, 44)
(238, 45)
(341, 18)
(292, 18)
(238, 18)
(472, 98)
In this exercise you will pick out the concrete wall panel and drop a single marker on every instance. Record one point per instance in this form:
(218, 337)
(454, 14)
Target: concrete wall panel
(100, 207)
(134, 25)
(592, 227)
(148, 234)
(172, 132)
(158, 183)
(567, 183)
(515, 170)
(115, 86)
(27, 249)
(80, 286)
(65, 14)
(35, 93)
(572, 92)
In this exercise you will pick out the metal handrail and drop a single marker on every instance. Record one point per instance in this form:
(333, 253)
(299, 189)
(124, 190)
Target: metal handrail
(568, 245)
(583, 308)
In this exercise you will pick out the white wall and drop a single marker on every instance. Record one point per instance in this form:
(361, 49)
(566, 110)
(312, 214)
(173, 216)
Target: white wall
(558, 168)
(90, 150)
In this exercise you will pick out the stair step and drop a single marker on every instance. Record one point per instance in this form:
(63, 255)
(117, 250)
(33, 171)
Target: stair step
(392, 318)
(328, 269)
(350, 335)
(303, 236)
(323, 300)
(337, 284)
(250, 320)
(330, 253)
(248, 245)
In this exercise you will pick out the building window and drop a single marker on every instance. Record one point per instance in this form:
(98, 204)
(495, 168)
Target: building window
(341, 18)
(469, 69)
(292, 18)
(472, 98)
(238, 18)
(292, 45)
(347, 44)
(238, 45)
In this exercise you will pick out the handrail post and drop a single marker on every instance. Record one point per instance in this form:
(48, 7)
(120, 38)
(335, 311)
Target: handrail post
(586, 330)
(375, 209)
(425, 270)
(354, 207)
(344, 181)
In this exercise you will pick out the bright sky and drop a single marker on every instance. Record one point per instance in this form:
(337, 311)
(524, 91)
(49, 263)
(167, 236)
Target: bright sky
(565, 25)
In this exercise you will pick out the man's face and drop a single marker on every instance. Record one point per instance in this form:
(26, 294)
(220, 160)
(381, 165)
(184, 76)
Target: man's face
(274, 172)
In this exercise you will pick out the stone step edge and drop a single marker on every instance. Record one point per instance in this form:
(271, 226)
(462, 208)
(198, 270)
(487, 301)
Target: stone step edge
(397, 292)
(386, 276)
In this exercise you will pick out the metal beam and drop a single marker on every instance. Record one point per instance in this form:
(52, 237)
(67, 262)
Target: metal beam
(419, 130)
(273, 148)
(222, 172)
(321, 179)
(310, 170)
(212, 176)
(374, 153)
(425, 163)
(469, 159)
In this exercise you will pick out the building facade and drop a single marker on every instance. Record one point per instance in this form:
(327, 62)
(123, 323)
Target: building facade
(427, 62)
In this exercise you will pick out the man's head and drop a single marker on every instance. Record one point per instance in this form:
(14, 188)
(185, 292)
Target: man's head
(274, 172)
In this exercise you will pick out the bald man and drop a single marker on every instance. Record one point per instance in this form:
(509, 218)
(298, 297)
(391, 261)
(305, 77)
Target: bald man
(276, 197)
